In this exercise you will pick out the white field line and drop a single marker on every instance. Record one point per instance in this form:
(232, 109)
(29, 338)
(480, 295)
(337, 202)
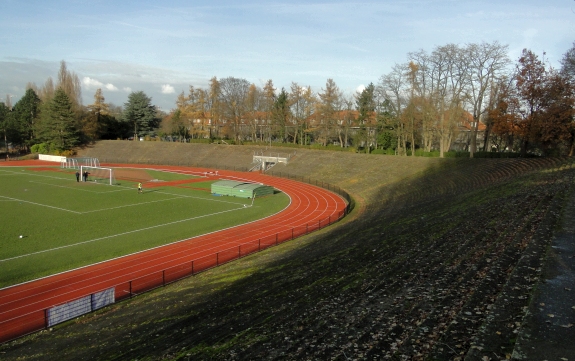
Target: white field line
(184, 196)
(39, 204)
(109, 208)
(202, 198)
(146, 250)
(173, 171)
(80, 189)
(123, 188)
(120, 234)
(36, 175)
(131, 205)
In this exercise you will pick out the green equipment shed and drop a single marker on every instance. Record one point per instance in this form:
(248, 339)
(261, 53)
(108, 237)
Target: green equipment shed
(240, 189)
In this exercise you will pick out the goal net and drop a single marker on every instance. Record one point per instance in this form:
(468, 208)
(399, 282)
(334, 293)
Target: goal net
(98, 174)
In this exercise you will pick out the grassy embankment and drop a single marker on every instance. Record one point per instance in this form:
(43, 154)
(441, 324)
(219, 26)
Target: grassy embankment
(438, 261)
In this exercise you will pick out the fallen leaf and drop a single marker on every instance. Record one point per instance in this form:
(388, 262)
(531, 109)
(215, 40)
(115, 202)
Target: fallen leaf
(551, 315)
(541, 304)
(567, 326)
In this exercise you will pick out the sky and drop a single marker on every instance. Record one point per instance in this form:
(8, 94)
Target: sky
(163, 47)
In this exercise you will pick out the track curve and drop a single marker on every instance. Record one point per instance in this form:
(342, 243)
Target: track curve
(309, 205)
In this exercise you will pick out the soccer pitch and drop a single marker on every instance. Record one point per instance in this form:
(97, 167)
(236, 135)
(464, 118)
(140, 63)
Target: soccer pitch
(66, 224)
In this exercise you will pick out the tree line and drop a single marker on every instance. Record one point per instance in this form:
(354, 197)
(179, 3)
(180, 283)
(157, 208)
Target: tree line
(52, 119)
(466, 97)
(472, 98)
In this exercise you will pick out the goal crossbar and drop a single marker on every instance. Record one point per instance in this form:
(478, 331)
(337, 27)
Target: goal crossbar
(98, 174)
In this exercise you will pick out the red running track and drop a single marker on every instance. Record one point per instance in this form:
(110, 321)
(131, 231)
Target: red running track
(23, 307)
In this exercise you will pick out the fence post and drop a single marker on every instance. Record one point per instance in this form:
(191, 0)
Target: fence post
(259, 244)
(192, 268)
(130, 289)
(276, 239)
(46, 318)
(239, 251)
(164, 278)
(218, 259)
(292, 233)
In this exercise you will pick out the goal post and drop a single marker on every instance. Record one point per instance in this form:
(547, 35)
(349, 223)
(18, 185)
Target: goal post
(98, 174)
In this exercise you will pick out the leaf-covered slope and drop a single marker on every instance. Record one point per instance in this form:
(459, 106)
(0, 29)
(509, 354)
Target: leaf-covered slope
(439, 264)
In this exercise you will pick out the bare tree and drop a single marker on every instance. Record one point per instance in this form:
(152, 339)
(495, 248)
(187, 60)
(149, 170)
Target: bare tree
(92, 123)
(448, 70)
(214, 107)
(487, 64)
(69, 82)
(234, 93)
(423, 97)
(252, 110)
(568, 63)
(392, 88)
(302, 102)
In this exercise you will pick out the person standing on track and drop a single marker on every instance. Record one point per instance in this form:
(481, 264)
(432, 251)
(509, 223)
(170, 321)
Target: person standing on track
(77, 176)
(140, 187)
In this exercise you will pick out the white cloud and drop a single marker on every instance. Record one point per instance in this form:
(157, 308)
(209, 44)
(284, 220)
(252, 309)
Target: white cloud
(111, 87)
(168, 89)
(360, 88)
(90, 83)
(127, 89)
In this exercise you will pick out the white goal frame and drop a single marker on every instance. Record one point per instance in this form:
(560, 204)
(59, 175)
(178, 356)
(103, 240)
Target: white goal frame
(98, 173)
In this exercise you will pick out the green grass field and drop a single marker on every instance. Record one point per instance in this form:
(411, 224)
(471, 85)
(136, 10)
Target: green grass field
(65, 224)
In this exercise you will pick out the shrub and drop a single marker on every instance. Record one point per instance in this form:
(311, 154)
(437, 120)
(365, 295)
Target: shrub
(66, 153)
(43, 148)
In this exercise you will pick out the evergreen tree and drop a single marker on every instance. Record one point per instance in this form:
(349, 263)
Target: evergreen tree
(365, 103)
(330, 102)
(4, 124)
(58, 123)
(140, 114)
(24, 116)
(281, 113)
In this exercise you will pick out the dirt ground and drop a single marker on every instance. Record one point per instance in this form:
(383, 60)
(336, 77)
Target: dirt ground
(132, 174)
(548, 332)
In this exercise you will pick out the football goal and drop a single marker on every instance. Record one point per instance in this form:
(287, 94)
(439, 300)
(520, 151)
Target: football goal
(98, 174)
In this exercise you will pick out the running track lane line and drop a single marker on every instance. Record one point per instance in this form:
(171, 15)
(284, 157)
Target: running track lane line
(309, 205)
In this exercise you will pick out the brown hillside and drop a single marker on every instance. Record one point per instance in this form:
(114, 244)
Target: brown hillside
(442, 264)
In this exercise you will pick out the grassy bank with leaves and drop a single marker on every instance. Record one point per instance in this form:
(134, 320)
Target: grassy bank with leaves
(438, 262)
